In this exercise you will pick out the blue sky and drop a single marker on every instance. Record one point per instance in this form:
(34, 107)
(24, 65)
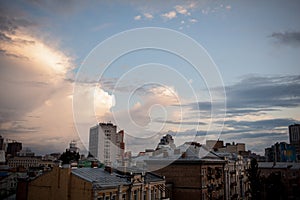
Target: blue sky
(254, 44)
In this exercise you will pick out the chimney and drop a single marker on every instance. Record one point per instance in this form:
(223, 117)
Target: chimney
(108, 169)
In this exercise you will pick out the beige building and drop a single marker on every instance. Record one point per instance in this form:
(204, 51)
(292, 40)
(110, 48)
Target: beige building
(25, 162)
(93, 183)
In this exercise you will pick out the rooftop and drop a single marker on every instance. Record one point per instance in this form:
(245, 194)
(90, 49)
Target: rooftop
(279, 165)
(101, 178)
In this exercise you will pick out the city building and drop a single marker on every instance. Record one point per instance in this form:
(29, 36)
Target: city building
(73, 146)
(281, 180)
(93, 183)
(2, 157)
(25, 153)
(8, 183)
(13, 148)
(106, 144)
(191, 171)
(25, 162)
(2, 144)
(214, 144)
(294, 135)
(280, 152)
(236, 148)
(166, 141)
(235, 172)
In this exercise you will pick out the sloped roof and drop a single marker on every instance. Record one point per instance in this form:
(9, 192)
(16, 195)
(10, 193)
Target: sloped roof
(100, 178)
(279, 165)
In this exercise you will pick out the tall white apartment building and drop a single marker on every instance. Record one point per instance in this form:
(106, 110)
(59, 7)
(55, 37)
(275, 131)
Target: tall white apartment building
(106, 144)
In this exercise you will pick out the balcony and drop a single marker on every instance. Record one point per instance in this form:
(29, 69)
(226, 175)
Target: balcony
(233, 184)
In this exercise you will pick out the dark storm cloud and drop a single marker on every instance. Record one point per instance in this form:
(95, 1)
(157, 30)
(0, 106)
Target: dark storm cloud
(11, 24)
(288, 38)
(267, 124)
(273, 135)
(256, 94)
(189, 132)
(180, 122)
(264, 92)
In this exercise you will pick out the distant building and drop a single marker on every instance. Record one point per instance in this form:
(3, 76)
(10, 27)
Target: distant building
(214, 144)
(73, 146)
(106, 144)
(2, 157)
(25, 162)
(280, 152)
(13, 148)
(294, 135)
(25, 153)
(218, 146)
(166, 140)
(93, 183)
(2, 145)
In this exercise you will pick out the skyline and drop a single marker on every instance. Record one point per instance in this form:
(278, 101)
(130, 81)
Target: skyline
(255, 46)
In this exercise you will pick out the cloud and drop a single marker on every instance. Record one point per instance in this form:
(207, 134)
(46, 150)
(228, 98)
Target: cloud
(181, 10)
(169, 15)
(33, 82)
(228, 7)
(138, 17)
(255, 94)
(195, 123)
(148, 16)
(287, 38)
(193, 20)
(265, 92)
(266, 124)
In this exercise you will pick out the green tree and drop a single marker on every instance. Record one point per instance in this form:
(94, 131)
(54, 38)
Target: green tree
(254, 178)
(69, 156)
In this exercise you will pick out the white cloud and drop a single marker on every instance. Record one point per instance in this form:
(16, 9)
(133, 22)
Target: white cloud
(34, 90)
(228, 7)
(169, 15)
(138, 17)
(193, 20)
(148, 15)
(180, 9)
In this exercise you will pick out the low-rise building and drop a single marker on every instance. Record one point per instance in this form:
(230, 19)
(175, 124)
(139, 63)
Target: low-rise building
(93, 183)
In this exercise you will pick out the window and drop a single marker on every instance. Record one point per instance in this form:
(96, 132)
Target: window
(124, 197)
(135, 196)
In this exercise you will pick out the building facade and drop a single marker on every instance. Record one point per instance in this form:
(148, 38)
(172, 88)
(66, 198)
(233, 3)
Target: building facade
(280, 152)
(106, 144)
(191, 171)
(281, 180)
(25, 162)
(294, 135)
(93, 183)
(13, 148)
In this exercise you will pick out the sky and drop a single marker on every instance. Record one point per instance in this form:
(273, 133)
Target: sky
(198, 70)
